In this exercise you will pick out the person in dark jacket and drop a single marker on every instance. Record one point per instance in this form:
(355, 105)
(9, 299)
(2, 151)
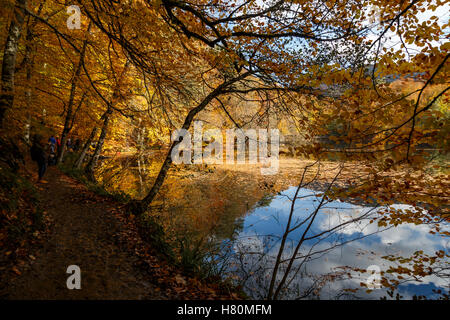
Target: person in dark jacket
(77, 145)
(69, 144)
(38, 154)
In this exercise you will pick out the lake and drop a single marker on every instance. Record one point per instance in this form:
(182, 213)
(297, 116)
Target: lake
(244, 222)
(357, 244)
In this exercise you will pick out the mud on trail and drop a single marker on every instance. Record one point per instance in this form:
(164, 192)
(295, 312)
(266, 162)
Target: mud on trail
(83, 233)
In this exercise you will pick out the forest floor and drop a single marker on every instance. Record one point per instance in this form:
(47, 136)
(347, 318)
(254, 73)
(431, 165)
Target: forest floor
(92, 232)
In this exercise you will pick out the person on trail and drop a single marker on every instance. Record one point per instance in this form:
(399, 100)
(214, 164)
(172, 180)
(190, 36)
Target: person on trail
(38, 154)
(52, 143)
(51, 161)
(69, 144)
(52, 140)
(58, 144)
(77, 145)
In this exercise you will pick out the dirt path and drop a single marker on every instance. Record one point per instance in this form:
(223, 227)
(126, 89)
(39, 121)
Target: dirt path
(84, 233)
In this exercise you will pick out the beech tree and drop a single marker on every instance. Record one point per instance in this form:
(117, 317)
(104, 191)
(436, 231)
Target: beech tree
(9, 58)
(295, 47)
(325, 65)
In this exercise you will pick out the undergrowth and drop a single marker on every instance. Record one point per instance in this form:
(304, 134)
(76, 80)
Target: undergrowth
(184, 250)
(22, 220)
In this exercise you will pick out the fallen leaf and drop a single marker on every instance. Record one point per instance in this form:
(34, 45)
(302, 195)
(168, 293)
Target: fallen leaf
(16, 271)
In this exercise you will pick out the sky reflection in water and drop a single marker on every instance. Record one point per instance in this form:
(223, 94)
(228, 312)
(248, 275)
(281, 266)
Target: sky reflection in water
(367, 243)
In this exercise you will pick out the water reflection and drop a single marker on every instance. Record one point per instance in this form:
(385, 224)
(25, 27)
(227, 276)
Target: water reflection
(194, 202)
(247, 221)
(359, 244)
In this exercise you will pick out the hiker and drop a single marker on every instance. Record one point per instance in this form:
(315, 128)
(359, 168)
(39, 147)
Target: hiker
(52, 142)
(52, 139)
(38, 154)
(51, 161)
(77, 144)
(69, 144)
(58, 144)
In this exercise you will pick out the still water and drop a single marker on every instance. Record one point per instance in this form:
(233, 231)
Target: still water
(245, 223)
(349, 243)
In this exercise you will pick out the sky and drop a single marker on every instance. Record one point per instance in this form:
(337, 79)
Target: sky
(443, 14)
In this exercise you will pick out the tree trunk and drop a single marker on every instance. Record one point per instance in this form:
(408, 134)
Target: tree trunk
(139, 207)
(28, 62)
(70, 114)
(9, 59)
(106, 117)
(85, 149)
(98, 148)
